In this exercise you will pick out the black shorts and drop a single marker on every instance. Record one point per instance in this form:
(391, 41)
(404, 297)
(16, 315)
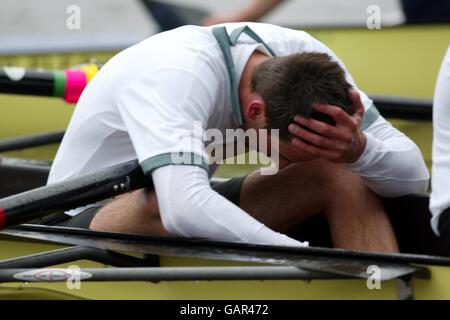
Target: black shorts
(230, 189)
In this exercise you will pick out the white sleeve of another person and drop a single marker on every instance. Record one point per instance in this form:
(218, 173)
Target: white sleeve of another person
(440, 182)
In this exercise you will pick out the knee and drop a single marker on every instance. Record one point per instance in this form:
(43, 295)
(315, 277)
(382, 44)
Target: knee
(343, 188)
(336, 181)
(323, 175)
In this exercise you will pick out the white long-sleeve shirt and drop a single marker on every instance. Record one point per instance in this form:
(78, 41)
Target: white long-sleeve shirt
(144, 104)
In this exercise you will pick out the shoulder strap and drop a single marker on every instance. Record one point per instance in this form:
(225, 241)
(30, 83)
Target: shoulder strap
(370, 116)
(225, 42)
(221, 35)
(234, 37)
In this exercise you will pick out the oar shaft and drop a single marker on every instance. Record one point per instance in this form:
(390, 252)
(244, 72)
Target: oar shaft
(404, 107)
(30, 141)
(67, 84)
(70, 83)
(27, 82)
(36, 203)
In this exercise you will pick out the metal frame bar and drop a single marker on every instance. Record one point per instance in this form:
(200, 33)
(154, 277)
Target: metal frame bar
(165, 274)
(59, 256)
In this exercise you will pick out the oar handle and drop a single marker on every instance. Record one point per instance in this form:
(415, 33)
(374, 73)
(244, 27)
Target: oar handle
(67, 84)
(37, 203)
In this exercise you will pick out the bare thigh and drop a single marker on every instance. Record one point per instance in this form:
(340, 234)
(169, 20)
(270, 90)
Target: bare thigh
(297, 192)
(136, 212)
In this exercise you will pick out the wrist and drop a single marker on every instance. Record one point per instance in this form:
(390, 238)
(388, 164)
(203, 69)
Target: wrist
(360, 146)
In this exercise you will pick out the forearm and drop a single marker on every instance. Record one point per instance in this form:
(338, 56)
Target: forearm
(391, 164)
(189, 207)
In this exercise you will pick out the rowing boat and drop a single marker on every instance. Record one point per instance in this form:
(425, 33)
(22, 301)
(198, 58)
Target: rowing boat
(204, 270)
(145, 267)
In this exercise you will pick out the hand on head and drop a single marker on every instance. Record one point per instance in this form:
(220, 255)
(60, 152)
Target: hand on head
(342, 143)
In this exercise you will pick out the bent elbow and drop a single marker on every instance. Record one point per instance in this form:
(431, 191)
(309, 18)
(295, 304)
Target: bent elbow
(398, 188)
(415, 173)
(422, 186)
(419, 173)
(175, 221)
(412, 187)
(181, 214)
(173, 217)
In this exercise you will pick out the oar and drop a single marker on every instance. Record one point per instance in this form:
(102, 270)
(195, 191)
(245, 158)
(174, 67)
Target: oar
(71, 83)
(404, 107)
(67, 84)
(36, 203)
(29, 141)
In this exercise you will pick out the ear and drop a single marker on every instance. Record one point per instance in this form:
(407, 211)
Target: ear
(256, 109)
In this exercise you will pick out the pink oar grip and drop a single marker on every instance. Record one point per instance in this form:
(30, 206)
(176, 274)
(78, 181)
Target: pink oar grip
(76, 81)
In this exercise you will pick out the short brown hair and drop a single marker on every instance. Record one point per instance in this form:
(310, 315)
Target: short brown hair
(290, 85)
